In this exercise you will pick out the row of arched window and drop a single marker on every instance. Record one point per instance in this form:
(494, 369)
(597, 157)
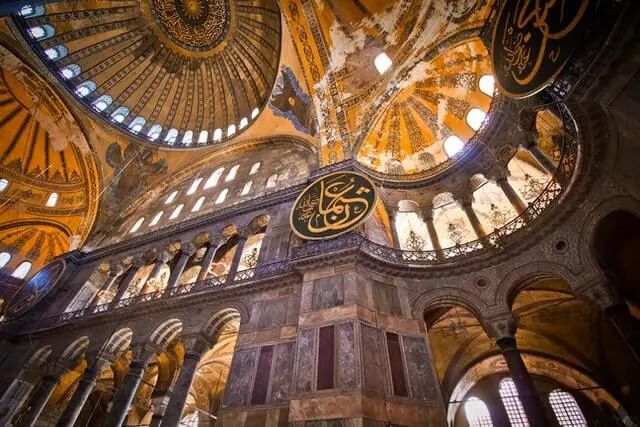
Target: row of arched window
(564, 406)
(51, 202)
(21, 271)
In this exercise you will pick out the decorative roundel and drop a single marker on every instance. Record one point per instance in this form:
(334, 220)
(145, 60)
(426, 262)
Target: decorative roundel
(35, 289)
(333, 205)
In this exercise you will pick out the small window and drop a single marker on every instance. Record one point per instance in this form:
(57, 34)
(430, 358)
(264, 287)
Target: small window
(222, 196)
(41, 32)
(3, 184)
(246, 188)
(171, 197)
(26, 10)
(272, 180)
(477, 413)
(156, 219)
(202, 138)
(120, 114)
(487, 84)
(29, 11)
(71, 71)
(382, 62)
(453, 145)
(255, 113)
(176, 212)
(172, 135)
(102, 103)
(137, 225)
(5, 257)
(194, 186)
(254, 168)
(136, 124)
(231, 130)
(243, 123)
(566, 409)
(154, 132)
(217, 135)
(52, 200)
(232, 173)
(22, 270)
(86, 88)
(214, 178)
(187, 137)
(56, 52)
(475, 118)
(198, 205)
(512, 403)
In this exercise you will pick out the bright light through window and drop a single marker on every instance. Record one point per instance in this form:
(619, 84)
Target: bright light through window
(176, 212)
(475, 117)
(254, 168)
(222, 196)
(382, 62)
(487, 84)
(254, 113)
(566, 409)
(202, 138)
(512, 403)
(453, 145)
(188, 137)
(22, 270)
(5, 257)
(232, 173)
(171, 198)
(217, 135)
(246, 189)
(198, 205)
(52, 53)
(3, 184)
(194, 186)
(213, 178)
(137, 225)
(477, 413)
(243, 123)
(52, 200)
(156, 219)
(231, 130)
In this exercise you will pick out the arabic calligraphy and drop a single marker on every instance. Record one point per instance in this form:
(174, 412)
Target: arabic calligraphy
(333, 205)
(533, 40)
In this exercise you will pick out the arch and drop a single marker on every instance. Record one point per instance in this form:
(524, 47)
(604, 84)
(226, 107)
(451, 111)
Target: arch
(171, 136)
(243, 123)
(56, 53)
(215, 324)
(194, 186)
(75, 349)
(166, 332)
(136, 124)
(119, 341)
(4, 183)
(71, 71)
(272, 181)
(154, 132)
(447, 297)
(120, 114)
(187, 138)
(255, 168)
(477, 413)
(52, 201)
(202, 138)
(246, 188)
(40, 356)
(102, 102)
(86, 88)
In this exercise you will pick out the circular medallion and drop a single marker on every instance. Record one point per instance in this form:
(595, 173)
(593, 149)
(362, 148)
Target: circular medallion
(35, 289)
(333, 205)
(532, 43)
(198, 25)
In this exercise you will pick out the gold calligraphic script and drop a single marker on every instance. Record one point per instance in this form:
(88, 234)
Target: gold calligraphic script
(534, 39)
(35, 289)
(333, 205)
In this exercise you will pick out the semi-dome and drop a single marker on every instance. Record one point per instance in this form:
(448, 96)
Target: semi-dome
(175, 72)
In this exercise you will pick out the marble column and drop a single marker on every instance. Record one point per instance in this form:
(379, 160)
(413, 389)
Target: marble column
(514, 198)
(16, 394)
(176, 272)
(431, 229)
(208, 258)
(233, 268)
(160, 261)
(475, 222)
(158, 407)
(80, 396)
(128, 278)
(114, 272)
(194, 349)
(542, 158)
(128, 388)
(523, 382)
(40, 399)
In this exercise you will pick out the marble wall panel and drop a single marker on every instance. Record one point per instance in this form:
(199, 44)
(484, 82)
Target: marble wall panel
(372, 360)
(422, 381)
(386, 298)
(272, 313)
(306, 360)
(327, 292)
(347, 374)
(282, 372)
(240, 378)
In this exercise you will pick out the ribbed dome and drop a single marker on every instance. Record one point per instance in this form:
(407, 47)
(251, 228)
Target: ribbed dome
(177, 72)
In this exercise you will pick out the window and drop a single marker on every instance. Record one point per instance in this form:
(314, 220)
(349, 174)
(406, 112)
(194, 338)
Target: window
(194, 186)
(52, 200)
(382, 62)
(566, 409)
(154, 132)
(394, 352)
(5, 257)
(176, 212)
(243, 123)
(246, 188)
(487, 84)
(3, 184)
(272, 180)
(71, 71)
(40, 32)
(120, 114)
(512, 403)
(187, 137)
(86, 88)
(217, 135)
(26, 10)
(255, 113)
(453, 145)
(231, 130)
(232, 173)
(255, 168)
(29, 11)
(477, 413)
(222, 196)
(213, 179)
(156, 219)
(198, 205)
(136, 125)
(137, 225)
(102, 103)
(475, 118)
(56, 52)
(171, 198)
(22, 270)
(172, 135)
(202, 138)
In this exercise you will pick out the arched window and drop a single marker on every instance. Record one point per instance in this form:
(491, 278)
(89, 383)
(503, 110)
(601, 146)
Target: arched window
(154, 132)
(243, 123)
(453, 145)
(231, 130)
(171, 197)
(382, 62)
(202, 138)
(566, 409)
(22, 270)
(232, 173)
(29, 11)
(217, 135)
(187, 137)
(3, 184)
(137, 225)
(56, 52)
(272, 180)
(512, 403)
(156, 219)
(254, 168)
(255, 113)
(246, 188)
(5, 257)
(172, 135)
(477, 413)
(194, 186)
(475, 118)
(86, 88)
(71, 71)
(176, 212)
(52, 200)
(198, 205)
(213, 179)
(41, 32)
(102, 103)
(120, 114)
(487, 84)
(222, 196)
(136, 124)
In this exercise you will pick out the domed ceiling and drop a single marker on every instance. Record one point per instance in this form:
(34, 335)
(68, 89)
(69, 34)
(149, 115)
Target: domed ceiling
(176, 72)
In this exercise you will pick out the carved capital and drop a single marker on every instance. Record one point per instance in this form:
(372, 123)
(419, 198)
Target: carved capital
(601, 292)
(138, 263)
(195, 345)
(501, 326)
(144, 352)
(164, 257)
(115, 268)
(188, 249)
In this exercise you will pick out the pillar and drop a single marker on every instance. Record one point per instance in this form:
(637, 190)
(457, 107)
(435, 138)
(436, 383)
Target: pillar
(158, 407)
(16, 394)
(475, 222)
(185, 254)
(208, 258)
(161, 260)
(128, 278)
(127, 391)
(79, 398)
(40, 399)
(514, 198)
(114, 272)
(431, 229)
(233, 268)
(542, 158)
(194, 349)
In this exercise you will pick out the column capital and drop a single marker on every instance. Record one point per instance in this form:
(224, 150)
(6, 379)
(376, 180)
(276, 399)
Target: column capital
(115, 268)
(501, 327)
(164, 257)
(138, 263)
(195, 346)
(143, 352)
(599, 291)
(188, 249)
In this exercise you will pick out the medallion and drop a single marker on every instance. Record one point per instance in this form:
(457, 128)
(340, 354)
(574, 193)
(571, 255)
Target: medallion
(35, 289)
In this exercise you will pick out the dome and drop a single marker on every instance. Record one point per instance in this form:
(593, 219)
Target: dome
(175, 72)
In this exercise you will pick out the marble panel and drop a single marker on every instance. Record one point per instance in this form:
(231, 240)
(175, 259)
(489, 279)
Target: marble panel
(273, 313)
(347, 367)
(422, 381)
(327, 292)
(240, 378)
(386, 298)
(372, 361)
(282, 371)
(306, 360)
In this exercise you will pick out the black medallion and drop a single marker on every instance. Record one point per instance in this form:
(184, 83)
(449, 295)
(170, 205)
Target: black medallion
(35, 289)
(333, 205)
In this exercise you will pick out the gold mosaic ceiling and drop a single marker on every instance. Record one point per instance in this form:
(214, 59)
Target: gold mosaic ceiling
(175, 72)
